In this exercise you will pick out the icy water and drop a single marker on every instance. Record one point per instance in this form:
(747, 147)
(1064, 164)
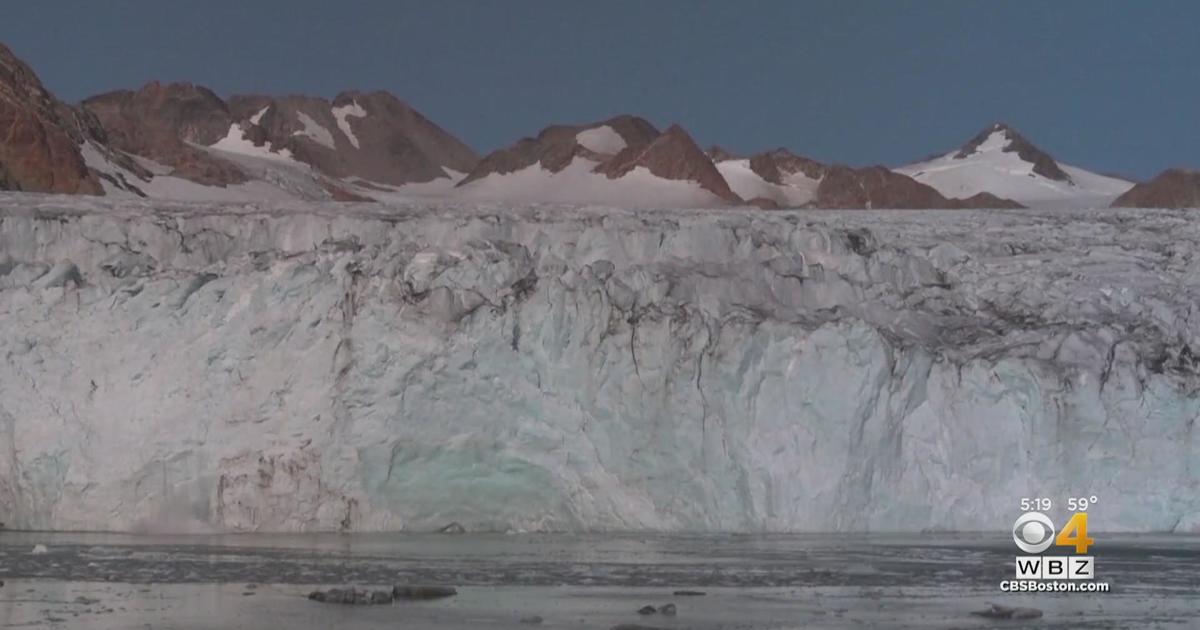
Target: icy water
(768, 582)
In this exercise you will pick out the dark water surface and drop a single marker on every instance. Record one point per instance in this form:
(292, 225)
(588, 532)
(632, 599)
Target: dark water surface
(807, 581)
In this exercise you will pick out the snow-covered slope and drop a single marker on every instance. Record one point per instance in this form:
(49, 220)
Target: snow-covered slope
(441, 189)
(795, 190)
(362, 367)
(580, 184)
(622, 161)
(270, 175)
(1001, 162)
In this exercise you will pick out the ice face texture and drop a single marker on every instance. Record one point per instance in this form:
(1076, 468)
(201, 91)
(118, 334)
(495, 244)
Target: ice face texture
(302, 368)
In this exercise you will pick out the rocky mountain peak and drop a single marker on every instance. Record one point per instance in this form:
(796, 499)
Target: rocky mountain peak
(773, 166)
(1001, 136)
(556, 146)
(164, 122)
(718, 153)
(672, 155)
(1173, 188)
(388, 131)
(39, 136)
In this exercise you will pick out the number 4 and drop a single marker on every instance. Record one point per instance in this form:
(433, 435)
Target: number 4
(1074, 534)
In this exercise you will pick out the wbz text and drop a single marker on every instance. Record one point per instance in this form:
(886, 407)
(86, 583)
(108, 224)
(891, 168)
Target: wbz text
(1034, 533)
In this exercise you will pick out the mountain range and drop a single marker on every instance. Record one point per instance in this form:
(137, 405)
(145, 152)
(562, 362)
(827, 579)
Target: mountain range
(182, 141)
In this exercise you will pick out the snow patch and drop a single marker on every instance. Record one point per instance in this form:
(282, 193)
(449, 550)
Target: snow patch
(342, 114)
(314, 131)
(95, 159)
(603, 139)
(996, 141)
(796, 191)
(257, 118)
(235, 142)
(157, 168)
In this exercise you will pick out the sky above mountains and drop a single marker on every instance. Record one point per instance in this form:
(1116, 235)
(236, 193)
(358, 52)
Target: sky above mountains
(1111, 86)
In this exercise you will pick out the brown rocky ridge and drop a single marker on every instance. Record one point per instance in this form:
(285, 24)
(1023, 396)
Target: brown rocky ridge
(165, 123)
(1173, 188)
(40, 136)
(774, 165)
(985, 200)
(374, 140)
(672, 155)
(875, 187)
(718, 153)
(370, 136)
(556, 146)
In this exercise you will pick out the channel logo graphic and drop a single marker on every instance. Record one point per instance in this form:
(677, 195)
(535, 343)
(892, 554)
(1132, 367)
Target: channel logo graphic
(1034, 533)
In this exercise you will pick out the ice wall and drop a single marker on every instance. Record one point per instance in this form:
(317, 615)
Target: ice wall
(302, 368)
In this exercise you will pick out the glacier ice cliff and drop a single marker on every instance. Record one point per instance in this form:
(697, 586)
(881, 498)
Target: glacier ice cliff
(175, 367)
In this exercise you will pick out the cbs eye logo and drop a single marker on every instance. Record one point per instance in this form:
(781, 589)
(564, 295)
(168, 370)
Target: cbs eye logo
(1033, 532)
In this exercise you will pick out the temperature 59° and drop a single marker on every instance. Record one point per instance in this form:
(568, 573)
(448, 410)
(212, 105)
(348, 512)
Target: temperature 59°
(1081, 504)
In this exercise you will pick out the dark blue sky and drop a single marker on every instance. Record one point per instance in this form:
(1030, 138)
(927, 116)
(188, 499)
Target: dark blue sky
(1112, 86)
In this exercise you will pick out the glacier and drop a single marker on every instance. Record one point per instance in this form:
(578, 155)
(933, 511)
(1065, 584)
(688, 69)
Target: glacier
(179, 367)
